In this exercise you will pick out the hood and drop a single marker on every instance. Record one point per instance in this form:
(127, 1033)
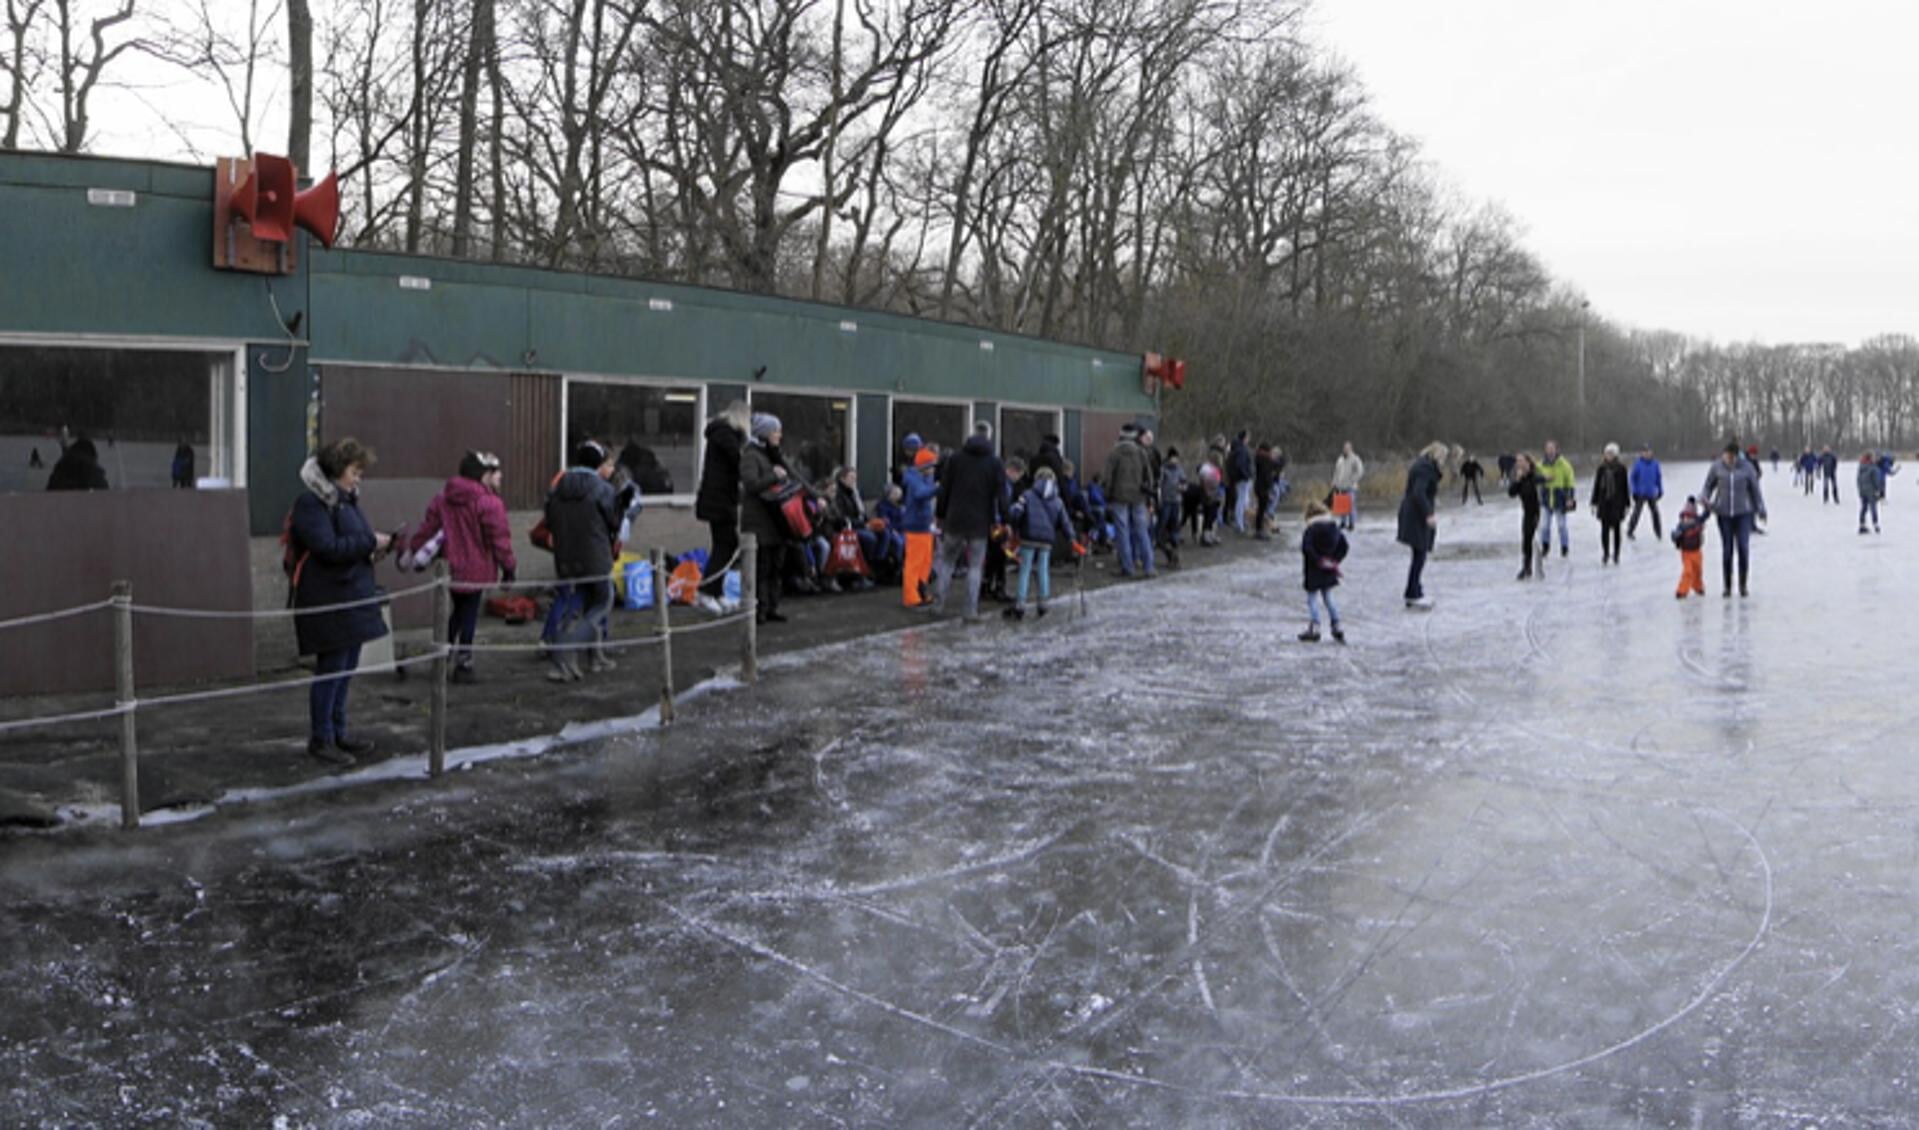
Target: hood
(576, 484)
(1045, 488)
(977, 444)
(315, 480)
(464, 493)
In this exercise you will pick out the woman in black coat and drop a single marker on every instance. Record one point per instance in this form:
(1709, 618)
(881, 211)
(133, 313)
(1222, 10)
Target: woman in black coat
(1524, 483)
(1612, 495)
(764, 482)
(333, 553)
(718, 502)
(1419, 518)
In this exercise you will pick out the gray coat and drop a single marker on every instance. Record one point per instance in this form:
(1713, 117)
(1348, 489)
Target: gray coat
(1732, 491)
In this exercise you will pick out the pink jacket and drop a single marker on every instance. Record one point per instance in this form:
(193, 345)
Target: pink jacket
(479, 544)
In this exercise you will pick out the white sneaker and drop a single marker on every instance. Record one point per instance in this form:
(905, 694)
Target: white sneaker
(1422, 604)
(708, 604)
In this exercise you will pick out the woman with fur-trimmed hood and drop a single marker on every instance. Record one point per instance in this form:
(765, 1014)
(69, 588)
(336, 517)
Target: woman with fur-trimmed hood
(1419, 519)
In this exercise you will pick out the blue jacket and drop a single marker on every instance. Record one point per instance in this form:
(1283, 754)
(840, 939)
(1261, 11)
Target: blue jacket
(918, 490)
(333, 546)
(1646, 481)
(1040, 516)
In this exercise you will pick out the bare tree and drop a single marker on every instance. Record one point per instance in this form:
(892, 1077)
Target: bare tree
(299, 83)
(21, 64)
(201, 43)
(86, 47)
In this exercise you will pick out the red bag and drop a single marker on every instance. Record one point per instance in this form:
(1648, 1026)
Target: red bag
(541, 535)
(515, 609)
(846, 559)
(797, 521)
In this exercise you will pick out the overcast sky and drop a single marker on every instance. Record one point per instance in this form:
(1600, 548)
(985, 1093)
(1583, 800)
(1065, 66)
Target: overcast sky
(1737, 170)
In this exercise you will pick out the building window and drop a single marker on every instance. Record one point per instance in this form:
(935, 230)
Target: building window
(815, 427)
(652, 429)
(942, 424)
(155, 418)
(1021, 429)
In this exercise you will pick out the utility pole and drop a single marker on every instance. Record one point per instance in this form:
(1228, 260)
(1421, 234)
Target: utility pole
(1583, 306)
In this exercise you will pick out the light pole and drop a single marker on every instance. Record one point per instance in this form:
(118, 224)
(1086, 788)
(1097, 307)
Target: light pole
(1583, 306)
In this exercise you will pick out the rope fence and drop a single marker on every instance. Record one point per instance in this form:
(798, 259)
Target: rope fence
(128, 704)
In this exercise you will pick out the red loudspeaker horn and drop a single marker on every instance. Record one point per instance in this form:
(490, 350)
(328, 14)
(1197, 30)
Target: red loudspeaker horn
(318, 210)
(265, 198)
(1176, 373)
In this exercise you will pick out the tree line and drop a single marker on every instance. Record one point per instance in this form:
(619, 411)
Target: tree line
(1188, 176)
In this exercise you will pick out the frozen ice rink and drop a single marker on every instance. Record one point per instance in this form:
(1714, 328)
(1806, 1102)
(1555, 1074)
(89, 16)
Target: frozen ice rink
(1561, 853)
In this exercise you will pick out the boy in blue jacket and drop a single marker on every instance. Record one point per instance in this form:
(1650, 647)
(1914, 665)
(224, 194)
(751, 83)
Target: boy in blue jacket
(1040, 519)
(1647, 489)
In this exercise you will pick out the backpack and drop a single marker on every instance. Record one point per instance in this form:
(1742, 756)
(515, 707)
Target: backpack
(293, 556)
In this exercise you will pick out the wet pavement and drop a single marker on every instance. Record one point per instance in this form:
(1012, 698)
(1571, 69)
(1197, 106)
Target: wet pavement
(1562, 853)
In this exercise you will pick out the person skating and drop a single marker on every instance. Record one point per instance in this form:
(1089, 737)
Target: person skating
(1322, 547)
(1558, 494)
(1419, 519)
(1507, 461)
(1348, 470)
(1040, 519)
(1610, 494)
(1648, 487)
(1690, 536)
(333, 550)
(1871, 482)
(477, 542)
(1470, 473)
(1265, 474)
(1828, 476)
(1732, 496)
(1524, 485)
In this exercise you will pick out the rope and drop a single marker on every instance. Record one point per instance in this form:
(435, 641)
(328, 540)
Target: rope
(49, 617)
(720, 622)
(288, 684)
(62, 719)
(631, 641)
(275, 613)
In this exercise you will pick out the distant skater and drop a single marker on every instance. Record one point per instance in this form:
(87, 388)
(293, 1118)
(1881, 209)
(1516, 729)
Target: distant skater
(1648, 487)
(1419, 519)
(1829, 476)
(1470, 472)
(1348, 469)
(1872, 488)
(1525, 487)
(1558, 491)
(1609, 502)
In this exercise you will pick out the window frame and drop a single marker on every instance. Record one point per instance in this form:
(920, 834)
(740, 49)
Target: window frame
(700, 416)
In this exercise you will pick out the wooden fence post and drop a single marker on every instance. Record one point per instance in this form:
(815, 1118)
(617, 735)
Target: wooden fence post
(660, 602)
(124, 697)
(750, 605)
(436, 720)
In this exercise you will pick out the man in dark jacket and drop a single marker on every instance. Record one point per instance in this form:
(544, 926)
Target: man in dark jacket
(718, 502)
(971, 501)
(1127, 490)
(1419, 519)
(1051, 457)
(1265, 474)
(1828, 475)
(765, 484)
(584, 514)
(1239, 480)
(78, 468)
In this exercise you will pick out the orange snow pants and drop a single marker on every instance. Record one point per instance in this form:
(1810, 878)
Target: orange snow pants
(1692, 577)
(919, 567)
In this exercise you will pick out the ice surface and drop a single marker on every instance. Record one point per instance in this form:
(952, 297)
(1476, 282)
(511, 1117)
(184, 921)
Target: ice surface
(1569, 852)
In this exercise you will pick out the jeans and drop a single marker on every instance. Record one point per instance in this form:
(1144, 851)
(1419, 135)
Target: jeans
(326, 699)
(596, 601)
(1546, 530)
(1868, 505)
(1169, 522)
(726, 541)
(1415, 590)
(1650, 505)
(1036, 558)
(1735, 533)
(1242, 502)
(1829, 490)
(464, 622)
(950, 549)
(1135, 539)
(1313, 600)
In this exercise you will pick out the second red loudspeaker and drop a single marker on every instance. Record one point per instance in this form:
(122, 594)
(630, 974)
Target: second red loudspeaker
(318, 210)
(265, 198)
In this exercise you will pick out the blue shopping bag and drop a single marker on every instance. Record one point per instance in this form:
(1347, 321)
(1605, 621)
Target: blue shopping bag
(637, 585)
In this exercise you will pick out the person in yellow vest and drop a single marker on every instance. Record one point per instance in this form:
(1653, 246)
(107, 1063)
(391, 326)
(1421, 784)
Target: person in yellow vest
(1558, 494)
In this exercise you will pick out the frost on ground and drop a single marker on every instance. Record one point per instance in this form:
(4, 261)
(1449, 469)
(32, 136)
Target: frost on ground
(1565, 852)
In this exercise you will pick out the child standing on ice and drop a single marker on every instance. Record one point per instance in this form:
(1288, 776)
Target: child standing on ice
(1323, 547)
(1689, 535)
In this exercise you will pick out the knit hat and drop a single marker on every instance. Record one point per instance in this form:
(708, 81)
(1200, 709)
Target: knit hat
(764, 425)
(925, 458)
(589, 454)
(475, 464)
(912, 442)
